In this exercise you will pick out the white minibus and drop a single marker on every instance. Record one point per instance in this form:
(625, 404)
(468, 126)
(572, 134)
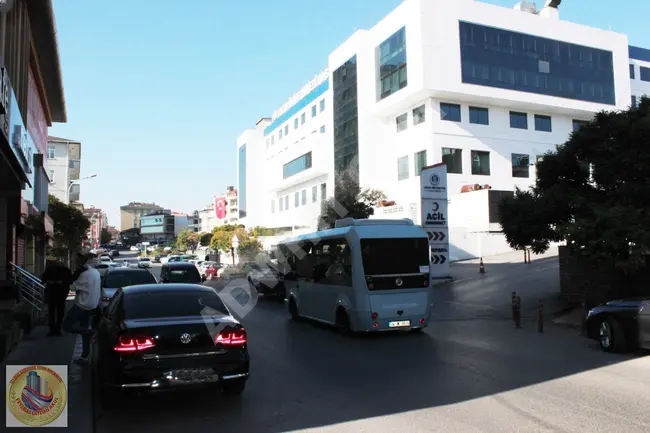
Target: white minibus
(364, 275)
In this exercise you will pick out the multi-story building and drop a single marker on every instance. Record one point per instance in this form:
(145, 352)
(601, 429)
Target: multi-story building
(64, 165)
(182, 222)
(98, 221)
(31, 99)
(485, 89)
(131, 213)
(157, 227)
(224, 209)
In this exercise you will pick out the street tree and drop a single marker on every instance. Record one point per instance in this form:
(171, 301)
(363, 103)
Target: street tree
(347, 203)
(591, 191)
(70, 227)
(187, 240)
(204, 239)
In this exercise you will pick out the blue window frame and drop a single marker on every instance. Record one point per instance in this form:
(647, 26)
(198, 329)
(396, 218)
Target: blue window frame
(296, 166)
(543, 123)
(322, 105)
(644, 74)
(504, 59)
(518, 120)
(392, 64)
(313, 111)
(633, 101)
(302, 118)
(286, 129)
(479, 116)
(578, 124)
(450, 112)
(632, 71)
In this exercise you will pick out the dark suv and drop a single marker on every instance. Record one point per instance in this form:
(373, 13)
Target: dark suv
(116, 278)
(181, 272)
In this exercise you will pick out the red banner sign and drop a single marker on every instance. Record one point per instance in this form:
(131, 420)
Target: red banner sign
(220, 207)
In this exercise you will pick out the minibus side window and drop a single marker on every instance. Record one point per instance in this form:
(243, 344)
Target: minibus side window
(333, 263)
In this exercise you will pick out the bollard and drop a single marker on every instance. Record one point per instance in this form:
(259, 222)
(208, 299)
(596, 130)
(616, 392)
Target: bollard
(525, 257)
(540, 317)
(481, 267)
(529, 262)
(518, 313)
(514, 306)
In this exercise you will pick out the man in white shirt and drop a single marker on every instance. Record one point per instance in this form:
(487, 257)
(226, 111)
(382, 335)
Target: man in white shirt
(87, 286)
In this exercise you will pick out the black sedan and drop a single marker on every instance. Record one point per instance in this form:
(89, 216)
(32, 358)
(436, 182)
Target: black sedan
(181, 272)
(620, 325)
(169, 336)
(116, 278)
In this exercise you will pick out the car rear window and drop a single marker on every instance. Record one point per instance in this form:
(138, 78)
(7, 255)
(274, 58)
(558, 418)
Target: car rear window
(123, 279)
(182, 303)
(185, 275)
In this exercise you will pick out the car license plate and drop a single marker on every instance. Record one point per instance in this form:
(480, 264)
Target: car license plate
(399, 324)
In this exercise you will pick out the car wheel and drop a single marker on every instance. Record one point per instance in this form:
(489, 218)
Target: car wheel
(611, 336)
(343, 322)
(293, 310)
(234, 388)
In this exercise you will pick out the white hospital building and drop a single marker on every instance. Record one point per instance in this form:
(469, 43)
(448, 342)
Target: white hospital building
(482, 88)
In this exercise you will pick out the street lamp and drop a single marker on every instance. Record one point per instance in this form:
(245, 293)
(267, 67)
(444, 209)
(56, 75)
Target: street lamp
(74, 182)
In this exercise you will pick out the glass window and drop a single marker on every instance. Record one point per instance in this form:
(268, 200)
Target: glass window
(323, 191)
(296, 166)
(313, 111)
(644, 74)
(286, 202)
(345, 127)
(242, 181)
(296, 199)
(322, 105)
(543, 123)
(403, 167)
(401, 122)
(420, 160)
(314, 193)
(480, 162)
(303, 197)
(518, 120)
(392, 64)
(295, 123)
(280, 134)
(185, 303)
(419, 115)
(520, 165)
(632, 71)
(515, 61)
(479, 116)
(633, 101)
(450, 112)
(303, 118)
(50, 152)
(286, 129)
(394, 256)
(578, 124)
(330, 262)
(453, 159)
(322, 129)
(189, 275)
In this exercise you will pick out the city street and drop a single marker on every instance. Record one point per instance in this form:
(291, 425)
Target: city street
(469, 372)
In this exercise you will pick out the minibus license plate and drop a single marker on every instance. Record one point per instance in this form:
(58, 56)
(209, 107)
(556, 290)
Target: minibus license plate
(399, 324)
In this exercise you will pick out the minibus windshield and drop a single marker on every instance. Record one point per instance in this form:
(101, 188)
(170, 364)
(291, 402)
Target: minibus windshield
(394, 255)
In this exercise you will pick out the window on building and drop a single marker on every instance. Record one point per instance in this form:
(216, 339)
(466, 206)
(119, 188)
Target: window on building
(286, 202)
(296, 199)
(400, 121)
(450, 112)
(295, 123)
(632, 71)
(322, 105)
(322, 129)
(392, 64)
(314, 193)
(543, 123)
(51, 172)
(644, 74)
(323, 191)
(286, 129)
(453, 159)
(633, 101)
(518, 120)
(303, 197)
(479, 116)
(303, 118)
(578, 124)
(403, 167)
(420, 161)
(296, 166)
(419, 115)
(272, 206)
(50, 152)
(520, 165)
(313, 111)
(280, 204)
(480, 162)
(272, 140)
(280, 135)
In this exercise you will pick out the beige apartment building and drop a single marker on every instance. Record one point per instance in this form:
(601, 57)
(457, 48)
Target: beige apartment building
(131, 213)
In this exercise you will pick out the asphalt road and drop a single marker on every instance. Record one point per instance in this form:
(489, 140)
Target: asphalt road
(468, 372)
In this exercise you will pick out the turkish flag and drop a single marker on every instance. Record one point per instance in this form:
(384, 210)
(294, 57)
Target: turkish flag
(220, 207)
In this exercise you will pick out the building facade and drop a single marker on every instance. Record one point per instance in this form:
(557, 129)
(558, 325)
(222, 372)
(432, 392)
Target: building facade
(31, 99)
(131, 213)
(224, 209)
(158, 227)
(64, 166)
(487, 90)
(98, 221)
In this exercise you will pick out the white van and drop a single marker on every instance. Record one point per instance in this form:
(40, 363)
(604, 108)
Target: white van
(362, 276)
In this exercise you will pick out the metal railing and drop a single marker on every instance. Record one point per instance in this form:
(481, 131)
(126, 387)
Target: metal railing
(29, 287)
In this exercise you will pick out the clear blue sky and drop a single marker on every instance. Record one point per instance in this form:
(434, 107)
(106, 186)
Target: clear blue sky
(158, 91)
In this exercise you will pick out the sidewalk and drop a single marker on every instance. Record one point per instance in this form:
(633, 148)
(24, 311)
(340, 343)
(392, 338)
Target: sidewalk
(39, 349)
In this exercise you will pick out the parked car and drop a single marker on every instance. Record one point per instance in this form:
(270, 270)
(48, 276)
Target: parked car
(144, 262)
(620, 325)
(116, 278)
(103, 268)
(181, 272)
(158, 321)
(105, 259)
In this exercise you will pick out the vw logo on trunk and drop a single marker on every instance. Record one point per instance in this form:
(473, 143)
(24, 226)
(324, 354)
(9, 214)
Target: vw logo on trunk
(399, 282)
(186, 338)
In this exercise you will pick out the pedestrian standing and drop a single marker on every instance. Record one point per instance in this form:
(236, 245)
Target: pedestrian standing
(87, 285)
(57, 279)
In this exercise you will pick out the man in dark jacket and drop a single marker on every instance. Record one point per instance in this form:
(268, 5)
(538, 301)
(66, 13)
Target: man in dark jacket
(57, 279)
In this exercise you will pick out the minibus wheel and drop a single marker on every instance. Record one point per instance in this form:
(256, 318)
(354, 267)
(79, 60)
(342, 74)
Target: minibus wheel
(343, 322)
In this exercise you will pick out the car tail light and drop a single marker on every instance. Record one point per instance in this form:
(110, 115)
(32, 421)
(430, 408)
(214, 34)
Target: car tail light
(375, 325)
(232, 338)
(134, 344)
(374, 316)
(422, 321)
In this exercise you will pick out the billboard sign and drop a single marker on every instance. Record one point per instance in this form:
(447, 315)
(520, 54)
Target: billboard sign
(434, 206)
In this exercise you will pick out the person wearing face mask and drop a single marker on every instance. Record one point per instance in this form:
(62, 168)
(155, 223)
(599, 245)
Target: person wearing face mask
(87, 285)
